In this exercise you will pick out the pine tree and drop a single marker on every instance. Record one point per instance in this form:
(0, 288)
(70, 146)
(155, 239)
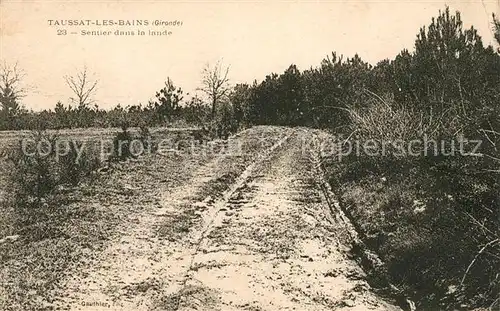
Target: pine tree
(496, 30)
(167, 101)
(448, 60)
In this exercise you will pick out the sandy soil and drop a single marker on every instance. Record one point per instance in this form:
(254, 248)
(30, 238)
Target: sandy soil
(267, 241)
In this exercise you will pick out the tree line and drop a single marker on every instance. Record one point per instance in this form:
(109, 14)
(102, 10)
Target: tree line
(449, 73)
(82, 111)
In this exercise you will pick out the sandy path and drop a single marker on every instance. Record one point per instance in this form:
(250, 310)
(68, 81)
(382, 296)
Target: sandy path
(271, 247)
(268, 243)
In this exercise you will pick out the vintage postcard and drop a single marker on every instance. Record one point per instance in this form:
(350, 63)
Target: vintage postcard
(249, 155)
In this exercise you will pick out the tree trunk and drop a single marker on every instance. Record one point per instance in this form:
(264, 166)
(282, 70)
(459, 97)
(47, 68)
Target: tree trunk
(213, 108)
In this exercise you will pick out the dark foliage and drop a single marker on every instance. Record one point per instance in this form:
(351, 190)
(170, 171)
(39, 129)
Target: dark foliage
(42, 162)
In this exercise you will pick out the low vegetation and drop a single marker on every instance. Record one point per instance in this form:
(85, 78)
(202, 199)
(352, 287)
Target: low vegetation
(42, 162)
(432, 214)
(432, 217)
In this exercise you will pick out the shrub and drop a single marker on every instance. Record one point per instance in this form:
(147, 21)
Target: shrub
(121, 145)
(147, 139)
(384, 119)
(38, 168)
(224, 124)
(75, 166)
(127, 145)
(34, 174)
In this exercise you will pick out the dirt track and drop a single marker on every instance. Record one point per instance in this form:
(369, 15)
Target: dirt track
(267, 242)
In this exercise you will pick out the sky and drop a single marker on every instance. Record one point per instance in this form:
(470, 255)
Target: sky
(252, 38)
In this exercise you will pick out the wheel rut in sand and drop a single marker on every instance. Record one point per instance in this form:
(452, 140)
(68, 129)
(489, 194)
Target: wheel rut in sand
(271, 246)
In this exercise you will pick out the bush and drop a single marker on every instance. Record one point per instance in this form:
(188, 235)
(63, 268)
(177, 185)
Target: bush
(147, 139)
(384, 119)
(39, 166)
(76, 167)
(224, 123)
(127, 145)
(34, 174)
(121, 145)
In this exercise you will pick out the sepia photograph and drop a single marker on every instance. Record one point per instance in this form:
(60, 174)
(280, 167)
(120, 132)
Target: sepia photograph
(249, 155)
